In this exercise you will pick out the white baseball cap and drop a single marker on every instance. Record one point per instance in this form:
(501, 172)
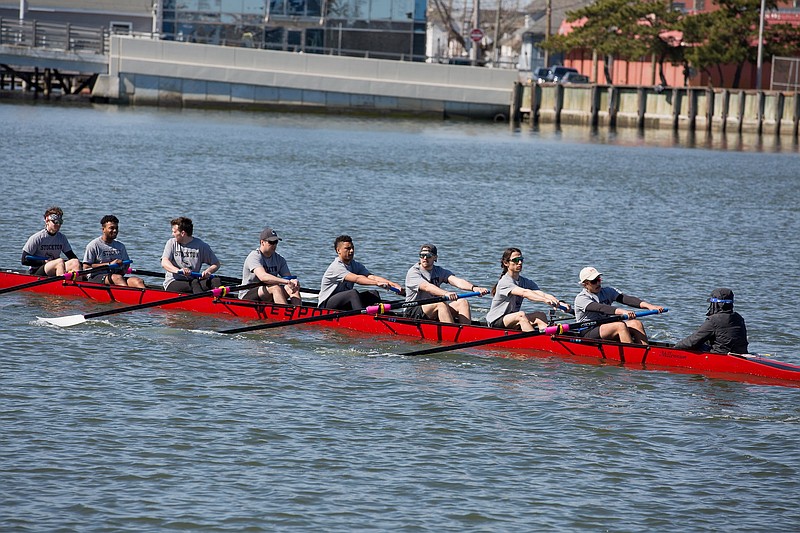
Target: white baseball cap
(589, 273)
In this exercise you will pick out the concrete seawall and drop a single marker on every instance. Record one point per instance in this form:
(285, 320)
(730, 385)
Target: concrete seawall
(684, 108)
(165, 73)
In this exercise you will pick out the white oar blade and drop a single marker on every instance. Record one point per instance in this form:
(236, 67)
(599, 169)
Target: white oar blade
(65, 321)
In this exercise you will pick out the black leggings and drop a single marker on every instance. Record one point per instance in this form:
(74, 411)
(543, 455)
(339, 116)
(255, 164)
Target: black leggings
(351, 300)
(194, 285)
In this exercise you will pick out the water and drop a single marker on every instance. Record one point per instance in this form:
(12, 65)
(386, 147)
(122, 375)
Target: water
(148, 422)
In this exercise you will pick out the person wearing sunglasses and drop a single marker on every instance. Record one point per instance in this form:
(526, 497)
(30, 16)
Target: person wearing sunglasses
(509, 293)
(107, 250)
(265, 264)
(424, 281)
(724, 330)
(595, 302)
(42, 252)
(337, 289)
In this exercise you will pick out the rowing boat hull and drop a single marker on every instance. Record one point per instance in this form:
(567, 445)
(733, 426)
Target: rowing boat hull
(745, 368)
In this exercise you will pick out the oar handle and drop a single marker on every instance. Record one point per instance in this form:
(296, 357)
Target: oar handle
(577, 326)
(69, 276)
(382, 308)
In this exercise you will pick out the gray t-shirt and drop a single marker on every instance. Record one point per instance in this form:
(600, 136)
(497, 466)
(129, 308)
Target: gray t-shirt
(606, 296)
(416, 275)
(42, 244)
(99, 251)
(503, 302)
(333, 279)
(274, 265)
(191, 255)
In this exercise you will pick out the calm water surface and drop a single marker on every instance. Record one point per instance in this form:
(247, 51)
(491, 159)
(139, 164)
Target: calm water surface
(149, 422)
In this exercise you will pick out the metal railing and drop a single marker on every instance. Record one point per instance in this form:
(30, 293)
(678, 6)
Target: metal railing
(63, 37)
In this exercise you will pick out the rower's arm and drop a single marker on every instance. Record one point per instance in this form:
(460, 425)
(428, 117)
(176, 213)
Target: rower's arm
(596, 307)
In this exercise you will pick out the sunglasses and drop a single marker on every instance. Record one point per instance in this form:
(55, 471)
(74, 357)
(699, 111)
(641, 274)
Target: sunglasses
(595, 281)
(55, 219)
(517, 259)
(425, 255)
(273, 243)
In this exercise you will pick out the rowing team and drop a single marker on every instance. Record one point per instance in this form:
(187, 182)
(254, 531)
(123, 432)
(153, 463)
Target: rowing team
(185, 256)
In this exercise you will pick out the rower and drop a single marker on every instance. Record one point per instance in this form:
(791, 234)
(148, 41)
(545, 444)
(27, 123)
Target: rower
(107, 250)
(724, 330)
(265, 264)
(337, 287)
(511, 290)
(184, 254)
(424, 280)
(594, 302)
(42, 252)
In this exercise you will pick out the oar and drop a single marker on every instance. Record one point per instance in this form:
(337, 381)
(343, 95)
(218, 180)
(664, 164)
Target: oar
(370, 310)
(557, 329)
(68, 276)
(73, 320)
(223, 279)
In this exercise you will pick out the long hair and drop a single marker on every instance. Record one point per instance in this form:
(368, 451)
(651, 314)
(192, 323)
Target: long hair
(504, 263)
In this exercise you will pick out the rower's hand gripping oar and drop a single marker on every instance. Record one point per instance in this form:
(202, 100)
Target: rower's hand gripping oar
(370, 310)
(74, 320)
(557, 329)
(67, 276)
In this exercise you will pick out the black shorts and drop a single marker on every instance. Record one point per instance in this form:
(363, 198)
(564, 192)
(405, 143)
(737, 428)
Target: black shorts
(415, 313)
(38, 271)
(498, 323)
(591, 333)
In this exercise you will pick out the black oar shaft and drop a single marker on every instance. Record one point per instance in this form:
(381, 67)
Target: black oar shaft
(224, 279)
(550, 330)
(217, 293)
(373, 309)
(67, 276)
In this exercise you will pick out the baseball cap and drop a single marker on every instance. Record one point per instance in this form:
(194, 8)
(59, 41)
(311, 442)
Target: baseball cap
(428, 248)
(589, 273)
(269, 234)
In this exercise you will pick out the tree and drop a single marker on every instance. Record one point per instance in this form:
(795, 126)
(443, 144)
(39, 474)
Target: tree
(625, 29)
(729, 36)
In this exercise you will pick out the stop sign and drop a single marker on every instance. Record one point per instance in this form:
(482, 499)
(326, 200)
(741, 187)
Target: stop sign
(476, 34)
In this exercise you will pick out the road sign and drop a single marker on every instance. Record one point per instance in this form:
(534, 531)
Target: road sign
(476, 34)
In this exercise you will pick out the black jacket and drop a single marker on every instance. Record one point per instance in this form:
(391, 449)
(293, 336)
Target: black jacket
(723, 332)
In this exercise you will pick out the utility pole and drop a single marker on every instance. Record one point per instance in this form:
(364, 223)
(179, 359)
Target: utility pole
(497, 34)
(548, 16)
(476, 23)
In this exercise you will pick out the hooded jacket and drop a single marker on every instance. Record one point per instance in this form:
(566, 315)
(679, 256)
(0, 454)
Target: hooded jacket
(723, 331)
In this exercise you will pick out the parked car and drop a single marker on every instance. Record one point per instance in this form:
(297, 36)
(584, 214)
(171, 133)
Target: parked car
(574, 77)
(542, 74)
(558, 73)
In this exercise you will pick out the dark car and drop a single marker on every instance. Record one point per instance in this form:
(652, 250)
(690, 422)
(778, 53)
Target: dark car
(558, 73)
(542, 74)
(574, 77)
